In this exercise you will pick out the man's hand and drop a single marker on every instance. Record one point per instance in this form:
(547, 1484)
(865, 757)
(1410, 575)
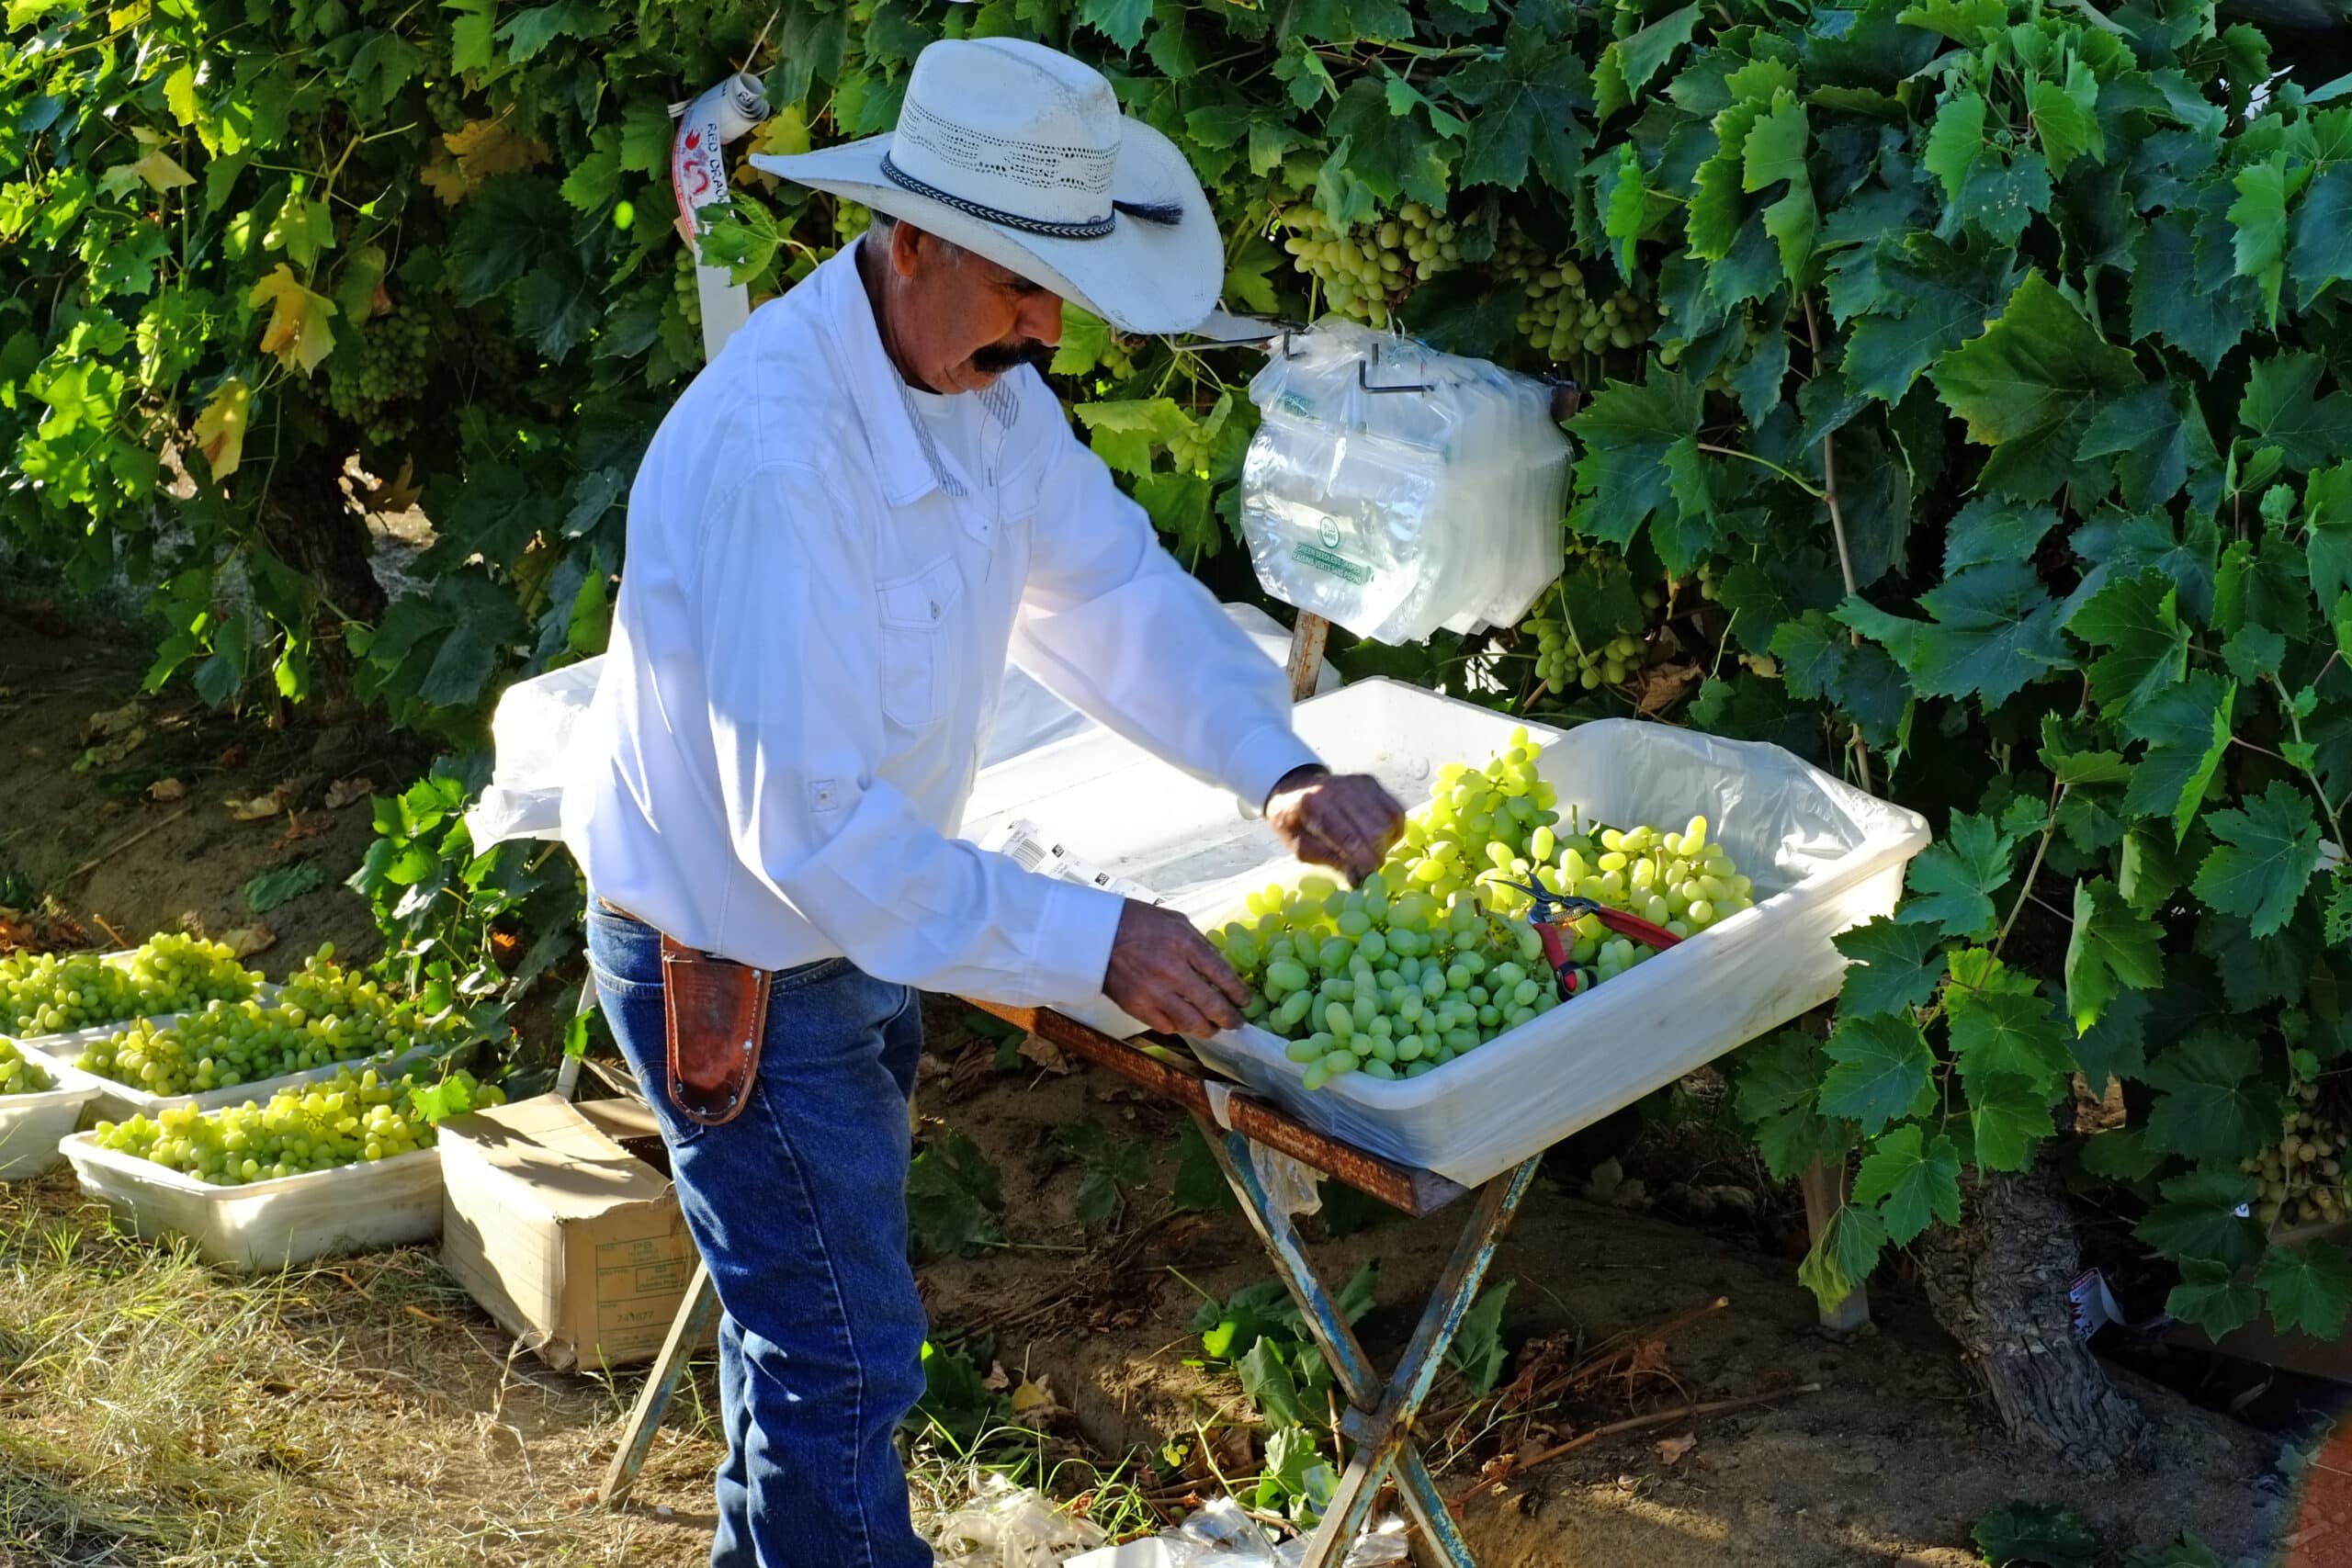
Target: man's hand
(1344, 821)
(1165, 974)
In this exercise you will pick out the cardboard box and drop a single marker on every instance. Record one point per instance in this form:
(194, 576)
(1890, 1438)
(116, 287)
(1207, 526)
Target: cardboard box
(572, 1242)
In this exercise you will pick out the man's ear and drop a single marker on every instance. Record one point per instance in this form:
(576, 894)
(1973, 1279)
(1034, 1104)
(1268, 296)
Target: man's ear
(906, 241)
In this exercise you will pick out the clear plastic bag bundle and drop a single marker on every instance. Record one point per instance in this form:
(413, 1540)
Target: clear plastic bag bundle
(1394, 490)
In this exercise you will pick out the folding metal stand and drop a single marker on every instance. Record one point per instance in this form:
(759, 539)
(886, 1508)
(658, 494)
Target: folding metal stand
(1381, 1412)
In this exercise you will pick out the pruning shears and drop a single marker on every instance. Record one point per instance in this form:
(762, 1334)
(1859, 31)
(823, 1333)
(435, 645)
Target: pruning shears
(1550, 912)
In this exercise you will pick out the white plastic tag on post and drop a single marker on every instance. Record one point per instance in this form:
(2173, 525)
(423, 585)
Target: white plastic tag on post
(698, 178)
(1292, 1189)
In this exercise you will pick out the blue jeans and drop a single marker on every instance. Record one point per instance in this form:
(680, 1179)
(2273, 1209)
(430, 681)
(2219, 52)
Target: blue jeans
(798, 1206)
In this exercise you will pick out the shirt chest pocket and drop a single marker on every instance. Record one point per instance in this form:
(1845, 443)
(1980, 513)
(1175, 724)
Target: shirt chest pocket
(918, 616)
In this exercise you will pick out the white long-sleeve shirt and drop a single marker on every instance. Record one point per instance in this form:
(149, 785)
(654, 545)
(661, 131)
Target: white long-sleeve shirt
(811, 632)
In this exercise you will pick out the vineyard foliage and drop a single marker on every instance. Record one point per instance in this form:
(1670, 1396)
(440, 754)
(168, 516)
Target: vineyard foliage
(1966, 410)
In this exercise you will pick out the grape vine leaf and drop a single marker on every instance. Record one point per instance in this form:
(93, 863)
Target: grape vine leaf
(1916, 1184)
(1895, 968)
(1880, 1069)
(2282, 407)
(2213, 1107)
(1393, 154)
(557, 306)
(2007, 1035)
(2137, 620)
(288, 883)
(297, 333)
(2167, 303)
(1527, 98)
(473, 32)
(2327, 520)
(1843, 1255)
(2321, 252)
(2030, 386)
(1993, 528)
(503, 234)
(2034, 1533)
(1953, 882)
(2259, 216)
(1776, 1074)
(2066, 117)
(1938, 298)
(2121, 1156)
(1993, 631)
(2200, 1219)
(2266, 859)
(1627, 431)
(531, 31)
(302, 228)
(2115, 1048)
(2307, 1287)
(220, 430)
(2186, 730)
(1954, 140)
(2213, 1297)
(2007, 1117)
(2111, 947)
(1639, 57)
(2157, 441)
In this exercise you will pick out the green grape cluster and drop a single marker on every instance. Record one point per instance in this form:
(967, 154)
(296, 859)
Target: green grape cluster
(2302, 1173)
(323, 1015)
(1562, 665)
(313, 1127)
(1418, 965)
(1427, 959)
(51, 993)
(850, 220)
(19, 1074)
(1682, 881)
(1367, 270)
(1562, 316)
(383, 367)
(445, 104)
(684, 288)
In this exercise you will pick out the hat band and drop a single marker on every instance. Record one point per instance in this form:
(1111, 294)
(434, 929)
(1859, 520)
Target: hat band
(1085, 228)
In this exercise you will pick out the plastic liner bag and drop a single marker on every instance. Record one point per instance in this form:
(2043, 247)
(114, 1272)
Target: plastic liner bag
(1396, 490)
(532, 730)
(537, 718)
(1220, 1534)
(1010, 1527)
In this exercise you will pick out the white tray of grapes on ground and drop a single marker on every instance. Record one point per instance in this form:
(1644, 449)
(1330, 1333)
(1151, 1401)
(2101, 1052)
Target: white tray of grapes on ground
(1758, 856)
(306, 1030)
(39, 1103)
(51, 1002)
(348, 1164)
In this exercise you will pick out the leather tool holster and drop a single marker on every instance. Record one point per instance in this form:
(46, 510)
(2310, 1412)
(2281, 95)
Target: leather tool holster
(716, 1013)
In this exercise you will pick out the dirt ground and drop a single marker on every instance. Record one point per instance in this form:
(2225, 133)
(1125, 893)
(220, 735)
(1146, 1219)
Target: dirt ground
(85, 758)
(399, 1426)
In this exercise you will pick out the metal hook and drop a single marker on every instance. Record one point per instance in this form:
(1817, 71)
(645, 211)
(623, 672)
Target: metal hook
(1363, 378)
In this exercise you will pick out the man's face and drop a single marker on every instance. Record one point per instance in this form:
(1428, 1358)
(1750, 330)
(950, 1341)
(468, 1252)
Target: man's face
(956, 320)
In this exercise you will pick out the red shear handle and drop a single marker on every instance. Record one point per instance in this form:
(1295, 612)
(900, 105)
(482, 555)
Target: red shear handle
(1633, 926)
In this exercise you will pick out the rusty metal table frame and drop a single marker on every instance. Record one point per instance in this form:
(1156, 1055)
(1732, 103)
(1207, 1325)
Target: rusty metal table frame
(1379, 1422)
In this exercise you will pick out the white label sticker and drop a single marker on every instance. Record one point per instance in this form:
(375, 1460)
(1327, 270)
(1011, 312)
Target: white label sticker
(1031, 850)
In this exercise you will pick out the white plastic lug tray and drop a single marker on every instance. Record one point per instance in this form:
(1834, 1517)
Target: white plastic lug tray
(115, 1102)
(32, 1124)
(1822, 855)
(268, 1225)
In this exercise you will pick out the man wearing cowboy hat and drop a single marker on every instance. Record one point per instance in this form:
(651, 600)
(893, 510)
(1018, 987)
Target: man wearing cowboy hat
(851, 518)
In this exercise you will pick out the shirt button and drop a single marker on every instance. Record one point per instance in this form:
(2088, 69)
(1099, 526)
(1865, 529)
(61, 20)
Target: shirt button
(935, 609)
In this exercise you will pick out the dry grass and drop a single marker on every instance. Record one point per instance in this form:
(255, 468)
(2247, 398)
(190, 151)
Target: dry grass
(155, 1411)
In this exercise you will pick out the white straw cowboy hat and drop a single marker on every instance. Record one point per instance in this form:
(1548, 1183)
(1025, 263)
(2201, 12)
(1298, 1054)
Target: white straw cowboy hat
(1020, 154)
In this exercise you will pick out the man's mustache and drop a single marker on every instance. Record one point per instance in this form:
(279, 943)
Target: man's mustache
(999, 357)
